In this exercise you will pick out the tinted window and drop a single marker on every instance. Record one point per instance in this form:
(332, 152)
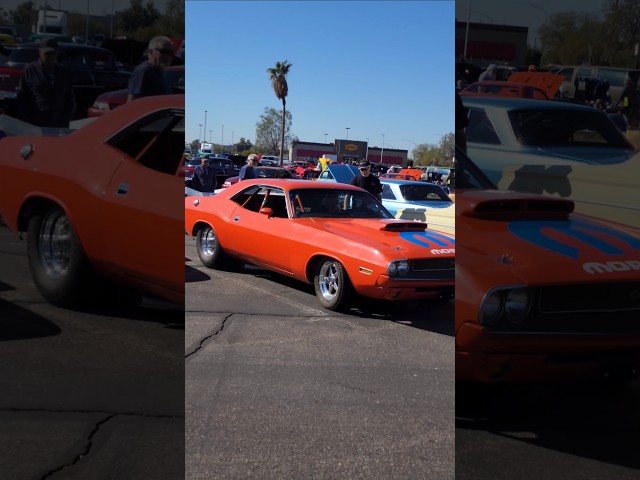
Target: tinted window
(480, 129)
(565, 128)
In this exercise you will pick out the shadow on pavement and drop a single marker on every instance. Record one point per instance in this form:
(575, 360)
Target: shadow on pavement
(194, 275)
(17, 323)
(587, 419)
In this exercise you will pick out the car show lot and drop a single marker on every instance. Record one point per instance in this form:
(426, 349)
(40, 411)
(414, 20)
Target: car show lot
(95, 393)
(278, 387)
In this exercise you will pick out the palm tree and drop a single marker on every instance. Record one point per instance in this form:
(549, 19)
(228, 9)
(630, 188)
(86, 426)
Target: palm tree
(278, 77)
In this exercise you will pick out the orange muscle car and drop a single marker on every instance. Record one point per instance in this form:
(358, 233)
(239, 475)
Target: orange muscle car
(335, 236)
(101, 199)
(541, 292)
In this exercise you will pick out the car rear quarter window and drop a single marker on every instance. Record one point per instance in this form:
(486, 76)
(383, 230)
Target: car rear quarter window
(387, 192)
(480, 128)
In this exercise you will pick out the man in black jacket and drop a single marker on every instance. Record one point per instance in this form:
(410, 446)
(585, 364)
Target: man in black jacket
(45, 96)
(367, 181)
(204, 177)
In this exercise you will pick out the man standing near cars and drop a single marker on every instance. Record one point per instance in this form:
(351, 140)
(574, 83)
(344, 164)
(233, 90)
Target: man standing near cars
(147, 79)
(45, 95)
(365, 180)
(204, 177)
(247, 172)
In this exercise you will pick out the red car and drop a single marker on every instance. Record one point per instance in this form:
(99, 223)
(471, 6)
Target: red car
(541, 292)
(79, 221)
(174, 76)
(337, 237)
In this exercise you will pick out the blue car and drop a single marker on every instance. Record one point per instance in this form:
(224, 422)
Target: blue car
(506, 132)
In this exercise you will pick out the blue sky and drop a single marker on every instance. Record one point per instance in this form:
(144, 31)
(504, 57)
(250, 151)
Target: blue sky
(377, 67)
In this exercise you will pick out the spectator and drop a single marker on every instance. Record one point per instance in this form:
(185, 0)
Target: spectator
(365, 180)
(532, 68)
(461, 123)
(204, 177)
(147, 78)
(247, 172)
(488, 74)
(45, 95)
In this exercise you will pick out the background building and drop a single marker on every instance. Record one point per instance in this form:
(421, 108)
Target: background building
(347, 151)
(489, 43)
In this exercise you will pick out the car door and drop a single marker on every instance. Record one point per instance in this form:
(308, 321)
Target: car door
(145, 216)
(259, 238)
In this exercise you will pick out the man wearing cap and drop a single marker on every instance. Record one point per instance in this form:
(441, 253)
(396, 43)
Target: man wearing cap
(45, 95)
(367, 181)
(147, 78)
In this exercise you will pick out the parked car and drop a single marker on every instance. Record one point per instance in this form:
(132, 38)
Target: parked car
(509, 131)
(545, 293)
(173, 76)
(360, 249)
(421, 201)
(79, 220)
(614, 75)
(338, 173)
(504, 89)
(262, 172)
(396, 176)
(224, 168)
(93, 72)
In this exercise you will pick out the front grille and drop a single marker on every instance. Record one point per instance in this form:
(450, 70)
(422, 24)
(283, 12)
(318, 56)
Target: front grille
(433, 269)
(611, 297)
(583, 309)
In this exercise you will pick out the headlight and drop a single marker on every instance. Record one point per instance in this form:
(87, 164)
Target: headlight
(398, 268)
(509, 304)
(516, 304)
(491, 308)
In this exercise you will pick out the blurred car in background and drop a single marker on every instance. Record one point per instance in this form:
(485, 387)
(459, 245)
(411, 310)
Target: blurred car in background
(262, 172)
(174, 77)
(508, 131)
(94, 71)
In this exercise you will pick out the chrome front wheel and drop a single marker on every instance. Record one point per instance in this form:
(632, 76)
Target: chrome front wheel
(332, 285)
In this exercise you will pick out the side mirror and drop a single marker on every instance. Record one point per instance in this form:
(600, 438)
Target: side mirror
(268, 211)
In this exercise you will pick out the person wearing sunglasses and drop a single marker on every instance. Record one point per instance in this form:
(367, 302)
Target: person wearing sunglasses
(147, 79)
(367, 181)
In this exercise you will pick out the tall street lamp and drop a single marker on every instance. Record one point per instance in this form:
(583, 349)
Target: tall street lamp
(210, 137)
(200, 133)
(232, 141)
(366, 155)
(325, 137)
(205, 126)
(222, 140)
(546, 18)
(382, 151)
(415, 145)
(347, 129)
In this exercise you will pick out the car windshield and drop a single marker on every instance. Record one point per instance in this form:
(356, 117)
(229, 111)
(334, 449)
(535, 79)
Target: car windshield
(335, 203)
(423, 191)
(565, 128)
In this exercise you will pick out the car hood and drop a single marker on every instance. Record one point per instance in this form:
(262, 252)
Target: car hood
(531, 239)
(386, 236)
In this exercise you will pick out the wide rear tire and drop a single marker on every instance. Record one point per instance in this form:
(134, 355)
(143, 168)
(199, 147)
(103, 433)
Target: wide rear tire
(57, 262)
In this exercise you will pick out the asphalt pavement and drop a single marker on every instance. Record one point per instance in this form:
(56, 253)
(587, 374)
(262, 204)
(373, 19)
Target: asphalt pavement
(92, 394)
(278, 387)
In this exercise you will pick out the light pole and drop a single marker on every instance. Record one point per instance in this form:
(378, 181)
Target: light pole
(415, 145)
(205, 127)
(366, 155)
(546, 17)
(347, 129)
(210, 137)
(222, 140)
(382, 151)
(232, 142)
(200, 133)
(325, 137)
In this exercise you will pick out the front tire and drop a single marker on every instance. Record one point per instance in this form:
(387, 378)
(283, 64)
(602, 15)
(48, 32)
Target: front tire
(57, 262)
(332, 285)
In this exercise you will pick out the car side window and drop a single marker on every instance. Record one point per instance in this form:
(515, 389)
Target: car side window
(387, 193)
(480, 128)
(155, 141)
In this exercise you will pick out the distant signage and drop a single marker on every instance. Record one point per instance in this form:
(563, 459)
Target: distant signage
(350, 147)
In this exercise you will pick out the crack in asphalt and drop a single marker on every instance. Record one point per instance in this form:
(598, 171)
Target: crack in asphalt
(87, 449)
(209, 336)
